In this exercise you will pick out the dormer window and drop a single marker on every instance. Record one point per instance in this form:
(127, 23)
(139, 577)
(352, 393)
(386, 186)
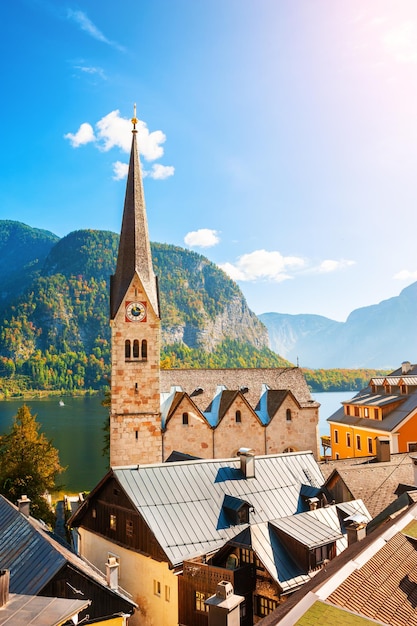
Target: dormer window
(236, 510)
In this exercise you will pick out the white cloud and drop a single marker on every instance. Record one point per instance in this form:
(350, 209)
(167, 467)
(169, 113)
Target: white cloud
(92, 71)
(85, 134)
(329, 265)
(202, 238)
(160, 172)
(120, 170)
(262, 264)
(406, 275)
(114, 131)
(84, 22)
(402, 42)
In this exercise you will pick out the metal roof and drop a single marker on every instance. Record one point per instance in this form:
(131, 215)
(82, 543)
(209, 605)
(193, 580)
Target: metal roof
(26, 610)
(182, 503)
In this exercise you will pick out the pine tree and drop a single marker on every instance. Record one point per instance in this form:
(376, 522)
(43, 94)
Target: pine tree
(29, 464)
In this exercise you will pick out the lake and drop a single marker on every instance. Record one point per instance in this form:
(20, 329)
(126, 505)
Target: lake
(76, 429)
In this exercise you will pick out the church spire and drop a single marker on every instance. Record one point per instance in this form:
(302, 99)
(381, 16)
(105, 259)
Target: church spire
(134, 254)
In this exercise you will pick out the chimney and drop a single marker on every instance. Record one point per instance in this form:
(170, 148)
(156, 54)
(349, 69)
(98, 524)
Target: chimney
(383, 453)
(405, 367)
(223, 607)
(355, 527)
(23, 505)
(4, 586)
(112, 572)
(313, 503)
(247, 462)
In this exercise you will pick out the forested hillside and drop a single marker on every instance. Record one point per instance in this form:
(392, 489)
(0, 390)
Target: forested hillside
(54, 331)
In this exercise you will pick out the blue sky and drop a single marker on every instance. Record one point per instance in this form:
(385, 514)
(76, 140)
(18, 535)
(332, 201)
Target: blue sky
(278, 137)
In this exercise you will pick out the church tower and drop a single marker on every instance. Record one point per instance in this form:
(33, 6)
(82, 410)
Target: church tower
(135, 426)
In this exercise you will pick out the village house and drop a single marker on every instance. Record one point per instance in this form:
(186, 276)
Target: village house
(39, 565)
(382, 415)
(203, 413)
(373, 582)
(177, 529)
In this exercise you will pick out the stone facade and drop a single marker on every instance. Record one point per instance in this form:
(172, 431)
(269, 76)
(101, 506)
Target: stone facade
(135, 423)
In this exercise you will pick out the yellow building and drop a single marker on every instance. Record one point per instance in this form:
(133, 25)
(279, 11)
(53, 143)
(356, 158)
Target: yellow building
(382, 416)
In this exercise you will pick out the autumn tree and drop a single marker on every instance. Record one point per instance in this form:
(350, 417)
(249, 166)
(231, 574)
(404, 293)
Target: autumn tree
(29, 464)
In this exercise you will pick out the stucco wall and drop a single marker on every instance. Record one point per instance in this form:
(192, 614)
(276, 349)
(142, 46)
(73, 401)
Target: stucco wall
(138, 575)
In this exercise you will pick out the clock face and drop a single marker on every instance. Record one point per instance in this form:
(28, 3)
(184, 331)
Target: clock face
(136, 311)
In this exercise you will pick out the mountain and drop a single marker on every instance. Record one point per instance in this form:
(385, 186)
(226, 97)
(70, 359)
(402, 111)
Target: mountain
(23, 251)
(54, 326)
(378, 336)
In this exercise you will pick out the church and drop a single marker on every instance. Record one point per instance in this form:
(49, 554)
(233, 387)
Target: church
(158, 415)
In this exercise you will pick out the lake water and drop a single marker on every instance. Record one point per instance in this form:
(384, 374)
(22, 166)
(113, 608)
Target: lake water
(76, 430)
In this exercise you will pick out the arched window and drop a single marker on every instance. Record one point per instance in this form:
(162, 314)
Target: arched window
(287, 450)
(238, 417)
(288, 415)
(185, 419)
(144, 349)
(127, 349)
(136, 349)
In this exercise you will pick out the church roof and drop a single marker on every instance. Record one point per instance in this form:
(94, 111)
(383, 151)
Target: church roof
(251, 382)
(134, 256)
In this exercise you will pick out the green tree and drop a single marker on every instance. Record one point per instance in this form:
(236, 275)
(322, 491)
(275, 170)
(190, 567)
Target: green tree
(29, 464)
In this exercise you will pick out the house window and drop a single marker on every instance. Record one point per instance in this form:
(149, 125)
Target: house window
(376, 414)
(157, 588)
(366, 411)
(136, 349)
(412, 446)
(347, 409)
(348, 442)
(336, 436)
(185, 419)
(112, 522)
(264, 606)
(356, 411)
(370, 450)
(403, 389)
(129, 528)
(321, 554)
(373, 388)
(288, 416)
(243, 515)
(246, 556)
(287, 450)
(127, 349)
(387, 388)
(200, 597)
(167, 593)
(358, 442)
(238, 417)
(144, 349)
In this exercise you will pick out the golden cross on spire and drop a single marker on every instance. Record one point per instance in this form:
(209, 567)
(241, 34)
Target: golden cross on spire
(134, 119)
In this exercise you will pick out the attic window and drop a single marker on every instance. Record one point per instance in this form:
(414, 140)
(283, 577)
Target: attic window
(236, 510)
(185, 419)
(238, 417)
(288, 415)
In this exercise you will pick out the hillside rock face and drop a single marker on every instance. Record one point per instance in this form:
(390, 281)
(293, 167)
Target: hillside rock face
(379, 336)
(236, 321)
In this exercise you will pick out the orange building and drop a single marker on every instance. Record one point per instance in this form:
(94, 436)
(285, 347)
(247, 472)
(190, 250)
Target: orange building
(383, 413)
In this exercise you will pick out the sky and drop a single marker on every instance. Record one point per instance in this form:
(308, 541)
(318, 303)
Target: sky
(278, 138)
